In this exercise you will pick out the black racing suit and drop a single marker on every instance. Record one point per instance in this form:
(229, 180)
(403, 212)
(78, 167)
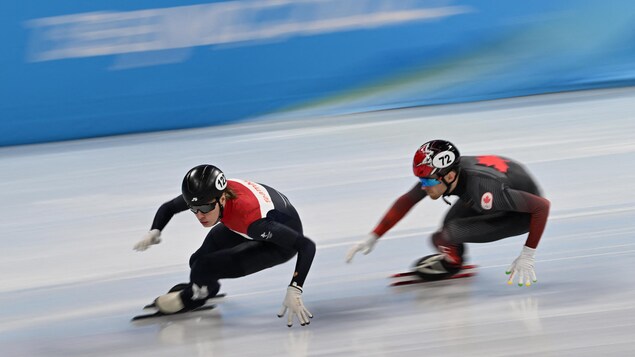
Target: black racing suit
(498, 198)
(251, 236)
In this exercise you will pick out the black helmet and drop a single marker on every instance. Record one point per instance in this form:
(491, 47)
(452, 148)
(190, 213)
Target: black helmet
(436, 157)
(203, 184)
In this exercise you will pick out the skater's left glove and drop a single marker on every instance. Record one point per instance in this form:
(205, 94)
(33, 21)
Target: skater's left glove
(150, 238)
(523, 268)
(293, 303)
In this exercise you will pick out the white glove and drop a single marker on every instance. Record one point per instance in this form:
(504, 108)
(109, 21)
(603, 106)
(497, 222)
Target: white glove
(523, 268)
(150, 238)
(293, 302)
(365, 246)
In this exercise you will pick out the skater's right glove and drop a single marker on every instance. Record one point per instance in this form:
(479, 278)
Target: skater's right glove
(523, 268)
(366, 246)
(150, 238)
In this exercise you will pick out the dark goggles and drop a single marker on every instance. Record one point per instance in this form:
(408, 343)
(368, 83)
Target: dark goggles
(207, 208)
(428, 182)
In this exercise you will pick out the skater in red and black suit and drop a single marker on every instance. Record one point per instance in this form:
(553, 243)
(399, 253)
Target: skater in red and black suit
(497, 199)
(253, 227)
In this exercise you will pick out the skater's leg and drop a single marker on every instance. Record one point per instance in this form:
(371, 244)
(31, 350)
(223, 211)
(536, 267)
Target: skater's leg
(464, 225)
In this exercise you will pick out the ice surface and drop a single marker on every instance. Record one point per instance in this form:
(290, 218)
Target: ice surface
(72, 212)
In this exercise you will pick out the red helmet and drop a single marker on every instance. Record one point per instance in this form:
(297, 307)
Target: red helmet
(436, 157)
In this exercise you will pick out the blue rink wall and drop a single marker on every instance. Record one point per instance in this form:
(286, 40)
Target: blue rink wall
(79, 69)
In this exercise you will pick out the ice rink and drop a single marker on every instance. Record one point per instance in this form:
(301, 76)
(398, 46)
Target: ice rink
(72, 212)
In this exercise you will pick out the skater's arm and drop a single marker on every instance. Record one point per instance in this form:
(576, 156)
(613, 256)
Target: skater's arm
(399, 209)
(293, 303)
(161, 219)
(396, 212)
(167, 211)
(306, 252)
(538, 207)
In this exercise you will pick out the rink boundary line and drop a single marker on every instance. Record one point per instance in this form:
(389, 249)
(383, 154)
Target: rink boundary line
(177, 268)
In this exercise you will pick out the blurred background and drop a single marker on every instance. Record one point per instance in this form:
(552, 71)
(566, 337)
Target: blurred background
(104, 105)
(74, 70)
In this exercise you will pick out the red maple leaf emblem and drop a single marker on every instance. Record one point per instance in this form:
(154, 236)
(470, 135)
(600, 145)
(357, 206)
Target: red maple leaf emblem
(494, 161)
(486, 199)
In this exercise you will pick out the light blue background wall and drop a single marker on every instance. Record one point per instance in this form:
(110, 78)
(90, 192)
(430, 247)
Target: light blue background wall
(72, 69)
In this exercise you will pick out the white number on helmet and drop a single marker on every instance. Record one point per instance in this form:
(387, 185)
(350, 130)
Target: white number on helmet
(443, 159)
(221, 182)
